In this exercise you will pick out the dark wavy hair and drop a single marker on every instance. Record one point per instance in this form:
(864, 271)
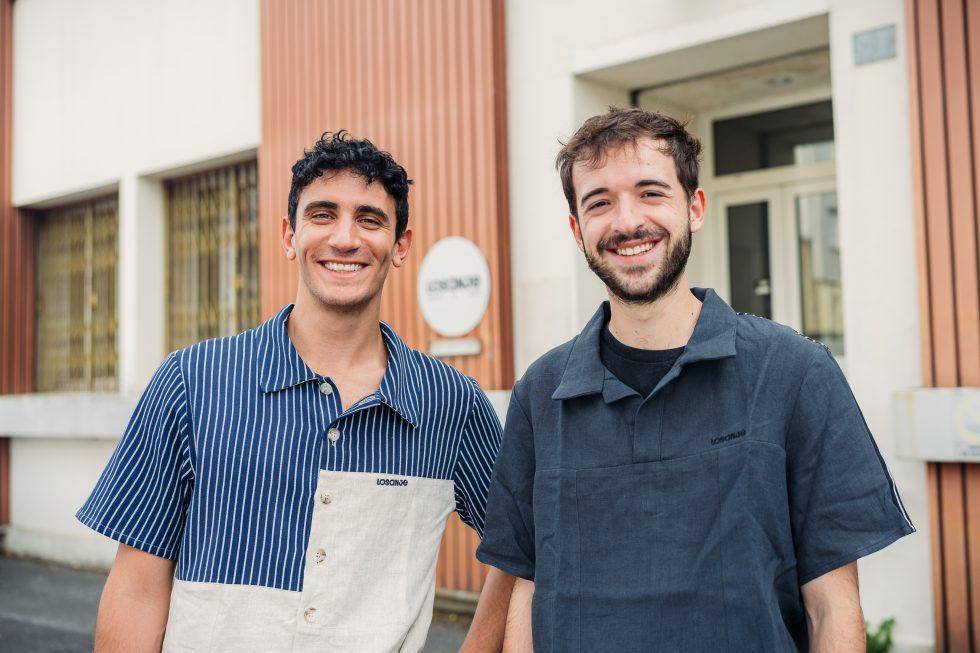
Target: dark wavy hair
(335, 152)
(618, 127)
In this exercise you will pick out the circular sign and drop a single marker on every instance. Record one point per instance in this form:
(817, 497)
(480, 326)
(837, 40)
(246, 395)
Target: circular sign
(454, 286)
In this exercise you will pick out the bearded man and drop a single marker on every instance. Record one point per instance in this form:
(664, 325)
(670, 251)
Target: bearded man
(679, 476)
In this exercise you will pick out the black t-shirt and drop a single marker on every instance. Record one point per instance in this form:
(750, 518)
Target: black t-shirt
(640, 369)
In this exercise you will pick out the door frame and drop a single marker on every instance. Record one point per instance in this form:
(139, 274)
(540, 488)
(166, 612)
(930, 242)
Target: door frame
(779, 191)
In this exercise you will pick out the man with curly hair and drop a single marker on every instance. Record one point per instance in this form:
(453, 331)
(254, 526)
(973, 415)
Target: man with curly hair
(287, 488)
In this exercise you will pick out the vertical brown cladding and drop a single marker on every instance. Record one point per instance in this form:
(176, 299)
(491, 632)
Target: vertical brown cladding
(424, 80)
(16, 264)
(944, 73)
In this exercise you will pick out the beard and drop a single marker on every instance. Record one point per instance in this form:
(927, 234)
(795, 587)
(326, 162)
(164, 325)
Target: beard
(641, 285)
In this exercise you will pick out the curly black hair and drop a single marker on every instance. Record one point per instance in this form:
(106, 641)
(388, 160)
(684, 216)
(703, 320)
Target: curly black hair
(334, 152)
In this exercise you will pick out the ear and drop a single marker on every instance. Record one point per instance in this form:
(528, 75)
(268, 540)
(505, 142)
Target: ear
(288, 237)
(402, 245)
(696, 210)
(576, 232)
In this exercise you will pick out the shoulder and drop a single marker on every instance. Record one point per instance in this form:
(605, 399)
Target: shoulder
(435, 376)
(216, 354)
(544, 375)
(764, 339)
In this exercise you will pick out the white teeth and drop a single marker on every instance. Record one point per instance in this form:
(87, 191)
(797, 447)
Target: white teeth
(343, 267)
(633, 251)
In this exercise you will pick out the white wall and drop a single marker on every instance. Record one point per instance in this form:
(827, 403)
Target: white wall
(107, 88)
(111, 96)
(881, 303)
(556, 53)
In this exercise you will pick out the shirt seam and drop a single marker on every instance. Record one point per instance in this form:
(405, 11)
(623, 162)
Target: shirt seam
(188, 437)
(799, 392)
(471, 382)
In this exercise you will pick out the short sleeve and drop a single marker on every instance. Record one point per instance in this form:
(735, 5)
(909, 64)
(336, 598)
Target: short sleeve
(474, 463)
(508, 541)
(843, 502)
(141, 498)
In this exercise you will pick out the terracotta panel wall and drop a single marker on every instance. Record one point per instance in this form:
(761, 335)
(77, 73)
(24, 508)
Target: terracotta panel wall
(16, 266)
(424, 80)
(944, 73)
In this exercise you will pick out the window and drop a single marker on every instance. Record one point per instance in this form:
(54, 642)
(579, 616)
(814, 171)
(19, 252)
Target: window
(76, 297)
(213, 257)
(792, 136)
(820, 278)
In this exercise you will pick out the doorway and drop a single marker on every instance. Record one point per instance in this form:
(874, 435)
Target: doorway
(781, 255)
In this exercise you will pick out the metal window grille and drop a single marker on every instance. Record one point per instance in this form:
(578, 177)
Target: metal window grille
(76, 297)
(213, 256)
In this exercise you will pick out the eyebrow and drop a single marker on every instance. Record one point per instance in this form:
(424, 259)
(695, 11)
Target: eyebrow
(363, 208)
(319, 204)
(653, 182)
(640, 184)
(373, 210)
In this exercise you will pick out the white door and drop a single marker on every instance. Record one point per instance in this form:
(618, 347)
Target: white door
(779, 256)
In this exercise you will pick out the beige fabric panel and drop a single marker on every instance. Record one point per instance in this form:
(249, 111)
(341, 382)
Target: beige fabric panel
(369, 580)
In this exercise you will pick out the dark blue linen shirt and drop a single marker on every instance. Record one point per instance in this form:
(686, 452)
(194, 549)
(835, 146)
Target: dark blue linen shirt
(689, 519)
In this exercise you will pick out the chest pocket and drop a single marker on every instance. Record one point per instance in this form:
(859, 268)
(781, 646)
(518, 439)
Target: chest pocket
(371, 556)
(682, 554)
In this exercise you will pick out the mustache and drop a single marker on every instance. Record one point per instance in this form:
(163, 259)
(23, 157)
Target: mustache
(616, 239)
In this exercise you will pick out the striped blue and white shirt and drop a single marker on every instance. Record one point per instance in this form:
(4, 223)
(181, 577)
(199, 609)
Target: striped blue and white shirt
(236, 443)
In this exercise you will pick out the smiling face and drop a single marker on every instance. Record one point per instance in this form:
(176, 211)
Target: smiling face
(635, 221)
(344, 240)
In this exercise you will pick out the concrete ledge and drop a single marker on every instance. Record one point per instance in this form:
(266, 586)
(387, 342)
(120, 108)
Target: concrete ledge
(100, 416)
(500, 400)
(80, 552)
(457, 601)
(65, 415)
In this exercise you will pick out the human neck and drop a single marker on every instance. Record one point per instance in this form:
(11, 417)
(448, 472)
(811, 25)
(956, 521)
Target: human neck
(330, 341)
(663, 324)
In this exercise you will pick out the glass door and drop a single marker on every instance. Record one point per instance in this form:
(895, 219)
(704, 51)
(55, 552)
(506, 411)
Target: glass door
(815, 226)
(756, 271)
(749, 269)
(781, 256)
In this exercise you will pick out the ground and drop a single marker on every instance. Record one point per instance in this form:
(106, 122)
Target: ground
(47, 608)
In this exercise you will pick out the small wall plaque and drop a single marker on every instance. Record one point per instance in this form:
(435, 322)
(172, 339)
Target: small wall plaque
(874, 45)
(445, 347)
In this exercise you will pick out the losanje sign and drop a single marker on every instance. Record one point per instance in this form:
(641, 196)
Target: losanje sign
(454, 286)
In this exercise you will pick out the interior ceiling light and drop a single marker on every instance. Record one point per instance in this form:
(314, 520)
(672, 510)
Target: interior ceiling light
(780, 81)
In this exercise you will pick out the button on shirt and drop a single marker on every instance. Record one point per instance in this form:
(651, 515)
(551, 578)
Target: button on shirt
(296, 525)
(689, 519)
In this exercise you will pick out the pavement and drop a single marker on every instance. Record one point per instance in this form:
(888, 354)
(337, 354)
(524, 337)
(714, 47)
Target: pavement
(46, 608)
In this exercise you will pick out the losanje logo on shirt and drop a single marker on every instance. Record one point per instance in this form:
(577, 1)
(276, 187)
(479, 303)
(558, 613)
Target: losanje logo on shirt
(400, 482)
(728, 438)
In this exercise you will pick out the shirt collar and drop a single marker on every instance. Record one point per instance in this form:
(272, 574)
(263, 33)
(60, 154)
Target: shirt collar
(281, 367)
(713, 338)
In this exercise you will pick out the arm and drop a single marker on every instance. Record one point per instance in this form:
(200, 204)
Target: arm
(135, 602)
(487, 630)
(518, 636)
(833, 612)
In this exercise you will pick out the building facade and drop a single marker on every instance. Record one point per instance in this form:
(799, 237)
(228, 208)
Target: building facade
(144, 167)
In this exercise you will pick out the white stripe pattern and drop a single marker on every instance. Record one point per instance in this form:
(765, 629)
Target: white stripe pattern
(218, 466)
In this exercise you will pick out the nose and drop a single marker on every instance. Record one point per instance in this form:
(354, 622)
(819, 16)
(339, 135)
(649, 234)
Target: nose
(344, 236)
(627, 216)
